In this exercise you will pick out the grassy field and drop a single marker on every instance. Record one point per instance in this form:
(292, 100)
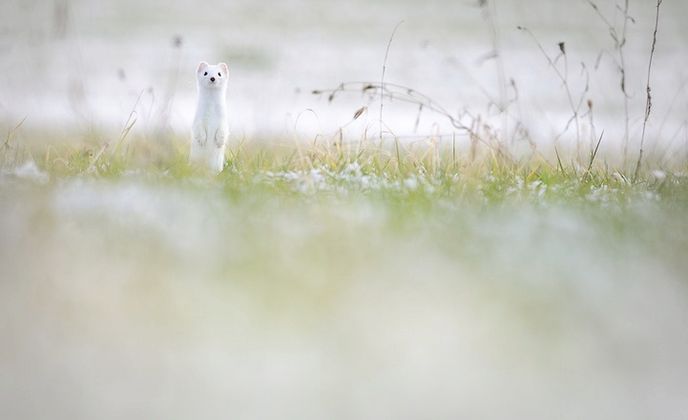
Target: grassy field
(360, 279)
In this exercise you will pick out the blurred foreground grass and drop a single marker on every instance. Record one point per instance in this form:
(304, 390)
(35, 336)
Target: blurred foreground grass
(339, 281)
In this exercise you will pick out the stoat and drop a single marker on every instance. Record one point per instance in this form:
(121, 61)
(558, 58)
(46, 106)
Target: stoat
(210, 128)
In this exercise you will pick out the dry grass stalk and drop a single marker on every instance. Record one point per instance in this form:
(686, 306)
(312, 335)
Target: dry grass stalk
(648, 90)
(619, 38)
(384, 70)
(563, 77)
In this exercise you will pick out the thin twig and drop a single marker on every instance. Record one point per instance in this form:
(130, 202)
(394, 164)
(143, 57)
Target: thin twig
(489, 9)
(128, 125)
(396, 92)
(10, 132)
(563, 77)
(648, 90)
(592, 157)
(561, 167)
(670, 143)
(619, 44)
(384, 70)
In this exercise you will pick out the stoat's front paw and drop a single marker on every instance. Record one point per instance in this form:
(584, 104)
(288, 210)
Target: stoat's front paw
(220, 138)
(200, 137)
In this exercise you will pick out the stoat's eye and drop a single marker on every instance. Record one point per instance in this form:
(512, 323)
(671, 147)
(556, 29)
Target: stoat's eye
(205, 74)
(219, 74)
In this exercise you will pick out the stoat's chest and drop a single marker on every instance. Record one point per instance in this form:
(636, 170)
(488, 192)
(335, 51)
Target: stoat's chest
(210, 111)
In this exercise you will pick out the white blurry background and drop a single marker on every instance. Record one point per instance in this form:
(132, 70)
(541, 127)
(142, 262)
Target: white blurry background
(70, 64)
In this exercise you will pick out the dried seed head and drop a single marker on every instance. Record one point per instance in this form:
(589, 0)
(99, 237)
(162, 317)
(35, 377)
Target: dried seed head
(360, 112)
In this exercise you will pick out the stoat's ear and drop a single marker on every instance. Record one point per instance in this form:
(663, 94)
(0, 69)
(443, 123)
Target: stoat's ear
(201, 66)
(224, 68)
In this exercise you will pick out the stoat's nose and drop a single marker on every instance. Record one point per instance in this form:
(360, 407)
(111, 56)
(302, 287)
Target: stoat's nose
(212, 79)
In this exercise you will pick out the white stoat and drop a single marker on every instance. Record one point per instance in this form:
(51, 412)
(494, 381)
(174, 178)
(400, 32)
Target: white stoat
(209, 131)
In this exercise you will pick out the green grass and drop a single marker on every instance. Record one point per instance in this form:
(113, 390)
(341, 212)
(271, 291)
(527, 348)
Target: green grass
(414, 188)
(348, 202)
(420, 171)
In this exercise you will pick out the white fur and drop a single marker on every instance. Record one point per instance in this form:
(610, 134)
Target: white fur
(210, 129)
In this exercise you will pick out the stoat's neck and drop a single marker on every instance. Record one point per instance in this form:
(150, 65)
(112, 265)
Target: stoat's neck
(208, 97)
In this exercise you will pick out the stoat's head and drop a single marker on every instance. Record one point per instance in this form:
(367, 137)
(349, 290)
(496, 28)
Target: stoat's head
(212, 77)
